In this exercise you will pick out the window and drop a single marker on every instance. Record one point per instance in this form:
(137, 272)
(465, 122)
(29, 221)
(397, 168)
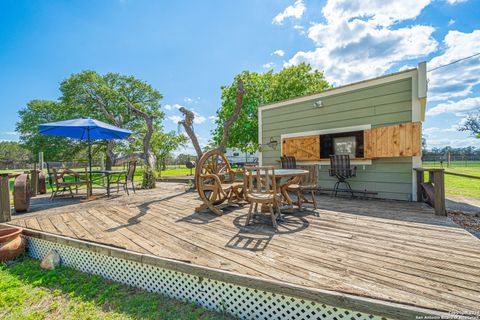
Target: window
(350, 143)
(236, 154)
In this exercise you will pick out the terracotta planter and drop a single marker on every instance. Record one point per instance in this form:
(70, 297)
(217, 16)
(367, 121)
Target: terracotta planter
(11, 244)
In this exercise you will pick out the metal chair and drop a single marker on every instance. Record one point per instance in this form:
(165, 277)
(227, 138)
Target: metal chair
(340, 167)
(288, 162)
(130, 176)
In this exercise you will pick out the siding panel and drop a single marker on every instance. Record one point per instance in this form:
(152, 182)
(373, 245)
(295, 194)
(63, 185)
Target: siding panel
(379, 106)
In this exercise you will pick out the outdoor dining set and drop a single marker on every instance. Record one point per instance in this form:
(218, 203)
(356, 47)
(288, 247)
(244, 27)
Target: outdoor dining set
(219, 185)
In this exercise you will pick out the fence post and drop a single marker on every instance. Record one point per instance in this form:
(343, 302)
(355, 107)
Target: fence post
(40, 160)
(439, 195)
(34, 181)
(4, 198)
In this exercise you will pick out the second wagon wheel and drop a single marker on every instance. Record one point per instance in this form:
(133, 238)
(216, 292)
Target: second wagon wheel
(209, 176)
(21, 192)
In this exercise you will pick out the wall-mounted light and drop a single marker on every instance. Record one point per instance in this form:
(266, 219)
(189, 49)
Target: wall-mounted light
(318, 104)
(273, 143)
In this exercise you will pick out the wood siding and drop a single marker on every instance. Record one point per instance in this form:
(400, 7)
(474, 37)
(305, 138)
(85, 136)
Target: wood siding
(401, 140)
(380, 106)
(302, 148)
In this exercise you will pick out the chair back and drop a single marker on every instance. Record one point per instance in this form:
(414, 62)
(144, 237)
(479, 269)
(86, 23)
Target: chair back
(132, 165)
(288, 162)
(260, 180)
(340, 166)
(312, 177)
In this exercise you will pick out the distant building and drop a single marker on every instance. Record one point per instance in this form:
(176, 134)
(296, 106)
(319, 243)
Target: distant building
(237, 157)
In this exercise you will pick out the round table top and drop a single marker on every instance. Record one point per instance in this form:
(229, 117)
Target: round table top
(287, 172)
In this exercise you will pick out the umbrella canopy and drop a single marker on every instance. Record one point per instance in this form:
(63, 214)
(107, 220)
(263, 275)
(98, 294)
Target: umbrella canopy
(84, 129)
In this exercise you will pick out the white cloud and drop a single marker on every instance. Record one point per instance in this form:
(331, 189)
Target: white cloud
(454, 142)
(187, 99)
(451, 22)
(456, 80)
(199, 119)
(268, 65)
(279, 53)
(459, 108)
(360, 39)
(169, 107)
(10, 133)
(175, 119)
(294, 11)
(453, 2)
(213, 118)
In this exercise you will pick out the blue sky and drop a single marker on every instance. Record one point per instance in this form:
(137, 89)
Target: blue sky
(189, 49)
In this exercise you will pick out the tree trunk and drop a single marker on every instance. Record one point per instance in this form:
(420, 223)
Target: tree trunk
(148, 181)
(110, 155)
(187, 123)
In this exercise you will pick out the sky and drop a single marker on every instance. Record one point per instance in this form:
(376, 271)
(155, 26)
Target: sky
(188, 49)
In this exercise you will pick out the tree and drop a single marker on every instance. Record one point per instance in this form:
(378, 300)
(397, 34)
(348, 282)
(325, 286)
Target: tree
(472, 124)
(120, 100)
(260, 89)
(164, 143)
(12, 151)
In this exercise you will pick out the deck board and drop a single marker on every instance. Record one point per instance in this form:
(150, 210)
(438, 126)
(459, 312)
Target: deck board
(393, 251)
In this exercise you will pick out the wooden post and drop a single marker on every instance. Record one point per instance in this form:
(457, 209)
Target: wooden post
(34, 181)
(4, 198)
(439, 187)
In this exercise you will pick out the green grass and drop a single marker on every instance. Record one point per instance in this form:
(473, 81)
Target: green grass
(175, 171)
(461, 186)
(27, 292)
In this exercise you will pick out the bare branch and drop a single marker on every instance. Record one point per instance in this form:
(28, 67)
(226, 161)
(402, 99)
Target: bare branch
(187, 124)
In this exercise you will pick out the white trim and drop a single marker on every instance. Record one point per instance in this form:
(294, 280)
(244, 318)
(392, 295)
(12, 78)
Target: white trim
(345, 88)
(416, 109)
(327, 162)
(260, 137)
(416, 163)
(326, 131)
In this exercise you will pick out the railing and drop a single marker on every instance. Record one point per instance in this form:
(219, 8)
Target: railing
(433, 190)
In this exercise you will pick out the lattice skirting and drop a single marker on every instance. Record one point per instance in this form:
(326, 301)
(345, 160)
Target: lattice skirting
(238, 301)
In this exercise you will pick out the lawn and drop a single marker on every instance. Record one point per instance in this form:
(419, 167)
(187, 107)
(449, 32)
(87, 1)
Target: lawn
(27, 292)
(461, 186)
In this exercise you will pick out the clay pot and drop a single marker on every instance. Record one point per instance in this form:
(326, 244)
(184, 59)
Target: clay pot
(11, 244)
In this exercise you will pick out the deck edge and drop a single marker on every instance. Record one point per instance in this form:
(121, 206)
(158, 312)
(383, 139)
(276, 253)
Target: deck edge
(333, 298)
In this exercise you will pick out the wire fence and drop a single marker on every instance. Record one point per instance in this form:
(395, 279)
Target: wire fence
(451, 160)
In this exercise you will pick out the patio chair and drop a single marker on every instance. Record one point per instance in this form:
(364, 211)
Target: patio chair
(260, 187)
(288, 162)
(341, 169)
(129, 177)
(308, 183)
(62, 185)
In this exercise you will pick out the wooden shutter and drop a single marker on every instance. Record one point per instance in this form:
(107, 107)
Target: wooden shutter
(402, 140)
(302, 148)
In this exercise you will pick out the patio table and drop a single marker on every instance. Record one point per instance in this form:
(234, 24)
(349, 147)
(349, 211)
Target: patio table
(109, 174)
(284, 178)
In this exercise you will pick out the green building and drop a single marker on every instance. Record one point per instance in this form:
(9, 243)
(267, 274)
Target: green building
(376, 121)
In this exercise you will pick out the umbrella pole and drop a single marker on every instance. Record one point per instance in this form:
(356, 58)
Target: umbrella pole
(90, 162)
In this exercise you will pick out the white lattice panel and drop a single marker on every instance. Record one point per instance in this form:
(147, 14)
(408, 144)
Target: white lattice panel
(241, 302)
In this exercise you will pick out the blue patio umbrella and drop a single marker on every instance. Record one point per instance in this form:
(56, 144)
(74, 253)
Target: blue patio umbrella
(84, 129)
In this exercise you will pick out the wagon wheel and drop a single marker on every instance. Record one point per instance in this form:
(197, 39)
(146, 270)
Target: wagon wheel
(21, 192)
(42, 184)
(210, 173)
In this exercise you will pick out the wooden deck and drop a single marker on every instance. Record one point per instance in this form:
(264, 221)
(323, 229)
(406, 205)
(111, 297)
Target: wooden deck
(392, 251)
